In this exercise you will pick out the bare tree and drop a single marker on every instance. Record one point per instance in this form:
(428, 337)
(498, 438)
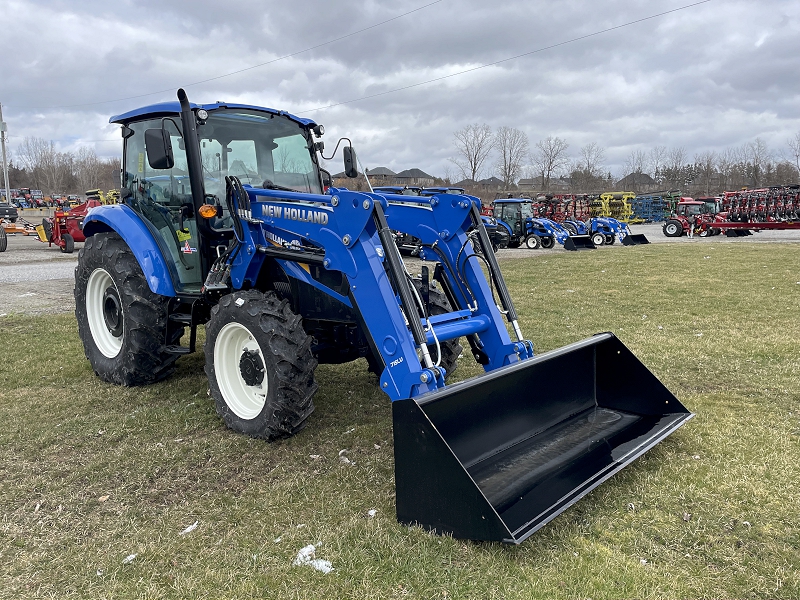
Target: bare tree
(656, 161)
(586, 172)
(794, 148)
(676, 158)
(592, 159)
(634, 165)
(550, 157)
(727, 165)
(474, 143)
(88, 169)
(512, 144)
(757, 156)
(706, 164)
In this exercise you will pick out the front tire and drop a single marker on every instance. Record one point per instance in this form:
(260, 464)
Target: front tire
(548, 242)
(598, 239)
(122, 323)
(610, 239)
(3, 239)
(259, 365)
(533, 242)
(673, 228)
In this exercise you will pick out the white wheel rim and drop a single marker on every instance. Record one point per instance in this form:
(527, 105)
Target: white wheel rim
(108, 344)
(246, 401)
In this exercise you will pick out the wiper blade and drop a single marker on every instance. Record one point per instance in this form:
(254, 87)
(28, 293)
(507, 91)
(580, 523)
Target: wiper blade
(268, 185)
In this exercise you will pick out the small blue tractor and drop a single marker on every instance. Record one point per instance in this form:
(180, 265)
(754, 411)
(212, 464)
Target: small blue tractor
(524, 227)
(605, 231)
(225, 222)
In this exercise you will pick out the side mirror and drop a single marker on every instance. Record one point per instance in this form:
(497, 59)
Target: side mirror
(159, 148)
(350, 162)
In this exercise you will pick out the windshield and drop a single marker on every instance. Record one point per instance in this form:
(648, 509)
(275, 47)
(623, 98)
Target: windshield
(259, 148)
(527, 210)
(692, 209)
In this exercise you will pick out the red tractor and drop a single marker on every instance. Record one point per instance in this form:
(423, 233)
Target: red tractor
(66, 227)
(704, 212)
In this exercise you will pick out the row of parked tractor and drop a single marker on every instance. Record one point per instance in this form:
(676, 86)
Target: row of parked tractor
(22, 198)
(514, 222)
(737, 213)
(62, 230)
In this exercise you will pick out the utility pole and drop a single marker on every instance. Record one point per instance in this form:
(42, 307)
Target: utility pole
(5, 164)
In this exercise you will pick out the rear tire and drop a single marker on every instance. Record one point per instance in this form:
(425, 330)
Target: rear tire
(533, 242)
(3, 239)
(122, 323)
(69, 244)
(598, 239)
(259, 365)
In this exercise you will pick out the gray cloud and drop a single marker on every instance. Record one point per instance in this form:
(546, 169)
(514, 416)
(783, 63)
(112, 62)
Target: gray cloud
(716, 75)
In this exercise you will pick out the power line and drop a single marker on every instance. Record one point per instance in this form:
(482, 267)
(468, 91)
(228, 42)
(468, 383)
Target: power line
(497, 62)
(269, 62)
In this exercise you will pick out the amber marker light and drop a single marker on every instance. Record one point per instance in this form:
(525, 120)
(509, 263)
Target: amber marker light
(207, 211)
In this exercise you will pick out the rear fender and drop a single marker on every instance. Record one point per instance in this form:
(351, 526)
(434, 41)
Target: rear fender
(122, 220)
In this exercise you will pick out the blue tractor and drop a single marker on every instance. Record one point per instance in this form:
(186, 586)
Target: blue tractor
(524, 227)
(224, 222)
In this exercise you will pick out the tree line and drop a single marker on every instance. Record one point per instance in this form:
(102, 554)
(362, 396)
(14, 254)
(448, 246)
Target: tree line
(507, 154)
(38, 165)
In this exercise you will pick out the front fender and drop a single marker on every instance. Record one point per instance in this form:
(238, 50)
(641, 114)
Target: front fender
(122, 220)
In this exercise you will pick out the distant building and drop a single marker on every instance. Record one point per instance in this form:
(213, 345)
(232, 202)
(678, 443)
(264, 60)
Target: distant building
(638, 182)
(535, 184)
(490, 184)
(416, 177)
(381, 175)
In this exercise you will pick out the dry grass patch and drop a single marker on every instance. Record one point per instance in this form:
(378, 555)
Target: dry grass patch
(93, 473)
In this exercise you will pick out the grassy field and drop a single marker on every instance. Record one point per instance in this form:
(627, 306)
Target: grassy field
(91, 473)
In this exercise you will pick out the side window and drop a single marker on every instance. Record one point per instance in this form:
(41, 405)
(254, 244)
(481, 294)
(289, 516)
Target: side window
(289, 159)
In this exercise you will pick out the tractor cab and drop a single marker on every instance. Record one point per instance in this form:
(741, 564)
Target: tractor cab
(263, 148)
(513, 214)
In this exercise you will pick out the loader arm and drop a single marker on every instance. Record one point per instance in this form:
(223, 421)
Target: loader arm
(343, 232)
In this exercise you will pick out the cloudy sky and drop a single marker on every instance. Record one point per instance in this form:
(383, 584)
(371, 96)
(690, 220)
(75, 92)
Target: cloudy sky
(711, 76)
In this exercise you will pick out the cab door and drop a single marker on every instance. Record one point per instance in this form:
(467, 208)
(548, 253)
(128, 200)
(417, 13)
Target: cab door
(163, 198)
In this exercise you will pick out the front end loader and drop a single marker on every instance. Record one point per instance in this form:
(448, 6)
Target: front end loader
(225, 222)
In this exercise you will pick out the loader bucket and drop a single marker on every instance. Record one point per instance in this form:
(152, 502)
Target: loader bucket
(635, 239)
(579, 242)
(498, 456)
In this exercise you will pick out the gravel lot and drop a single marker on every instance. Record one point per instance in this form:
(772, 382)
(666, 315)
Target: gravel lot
(34, 278)
(37, 279)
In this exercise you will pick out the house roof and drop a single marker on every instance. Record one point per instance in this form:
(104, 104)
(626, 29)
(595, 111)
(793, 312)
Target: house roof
(637, 178)
(491, 181)
(413, 173)
(381, 171)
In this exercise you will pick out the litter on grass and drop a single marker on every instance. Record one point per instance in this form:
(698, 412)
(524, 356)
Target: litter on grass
(372, 512)
(190, 528)
(307, 557)
(129, 559)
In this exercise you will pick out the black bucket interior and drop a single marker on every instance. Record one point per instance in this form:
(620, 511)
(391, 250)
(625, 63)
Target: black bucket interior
(579, 242)
(635, 239)
(498, 456)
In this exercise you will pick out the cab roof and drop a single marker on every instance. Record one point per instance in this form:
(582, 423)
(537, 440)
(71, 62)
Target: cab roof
(174, 108)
